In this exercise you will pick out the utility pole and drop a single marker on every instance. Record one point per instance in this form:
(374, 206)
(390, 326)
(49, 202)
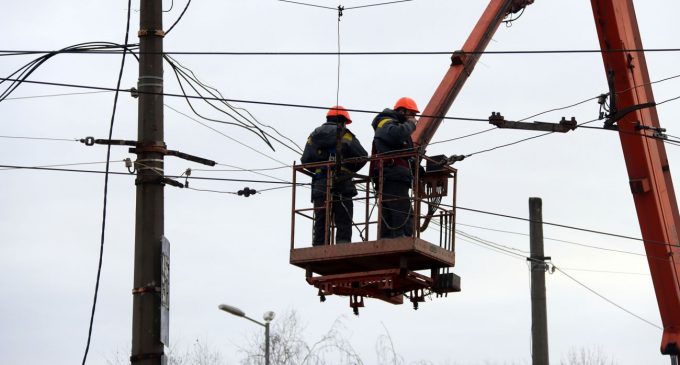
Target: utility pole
(149, 304)
(539, 313)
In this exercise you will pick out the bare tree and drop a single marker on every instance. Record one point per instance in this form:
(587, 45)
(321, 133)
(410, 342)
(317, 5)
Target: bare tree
(587, 356)
(288, 346)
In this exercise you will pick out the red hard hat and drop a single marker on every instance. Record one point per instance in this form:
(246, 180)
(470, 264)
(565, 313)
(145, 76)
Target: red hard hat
(406, 103)
(339, 111)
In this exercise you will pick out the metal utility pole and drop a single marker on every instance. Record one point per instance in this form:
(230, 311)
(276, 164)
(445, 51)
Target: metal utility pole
(539, 313)
(149, 305)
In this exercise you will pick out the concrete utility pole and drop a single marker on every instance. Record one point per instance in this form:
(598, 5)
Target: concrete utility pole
(149, 305)
(539, 313)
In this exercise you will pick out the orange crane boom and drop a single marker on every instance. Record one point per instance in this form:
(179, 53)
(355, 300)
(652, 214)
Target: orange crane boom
(632, 110)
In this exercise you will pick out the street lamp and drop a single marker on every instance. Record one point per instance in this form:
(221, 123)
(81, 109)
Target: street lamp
(268, 317)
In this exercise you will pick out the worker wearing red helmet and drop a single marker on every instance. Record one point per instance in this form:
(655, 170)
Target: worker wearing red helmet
(333, 141)
(393, 129)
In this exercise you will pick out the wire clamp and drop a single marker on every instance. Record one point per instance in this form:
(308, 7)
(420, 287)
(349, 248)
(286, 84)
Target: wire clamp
(146, 289)
(151, 32)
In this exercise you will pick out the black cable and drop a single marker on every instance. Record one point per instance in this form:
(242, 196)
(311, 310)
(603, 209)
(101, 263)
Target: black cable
(106, 187)
(357, 53)
(560, 108)
(302, 106)
(258, 132)
(184, 70)
(178, 18)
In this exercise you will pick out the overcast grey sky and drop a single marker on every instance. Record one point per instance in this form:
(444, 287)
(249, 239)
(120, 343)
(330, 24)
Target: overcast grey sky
(229, 249)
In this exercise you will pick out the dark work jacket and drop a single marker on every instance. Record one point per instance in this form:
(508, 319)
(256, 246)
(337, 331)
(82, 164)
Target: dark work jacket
(393, 134)
(322, 145)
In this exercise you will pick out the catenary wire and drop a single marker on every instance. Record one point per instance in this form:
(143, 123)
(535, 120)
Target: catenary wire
(578, 282)
(291, 105)
(41, 138)
(377, 4)
(605, 271)
(19, 167)
(56, 95)
(304, 106)
(557, 240)
(62, 165)
(563, 226)
(106, 186)
(350, 53)
(606, 299)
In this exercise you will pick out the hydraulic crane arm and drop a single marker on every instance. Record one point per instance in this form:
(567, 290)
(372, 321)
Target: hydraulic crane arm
(462, 64)
(632, 109)
(645, 156)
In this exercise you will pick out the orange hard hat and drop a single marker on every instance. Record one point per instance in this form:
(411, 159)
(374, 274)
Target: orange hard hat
(406, 103)
(339, 111)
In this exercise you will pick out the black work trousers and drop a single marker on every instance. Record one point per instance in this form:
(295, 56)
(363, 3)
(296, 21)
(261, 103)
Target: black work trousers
(342, 209)
(397, 212)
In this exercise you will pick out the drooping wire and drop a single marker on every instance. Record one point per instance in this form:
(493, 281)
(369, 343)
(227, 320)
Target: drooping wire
(226, 136)
(518, 256)
(248, 122)
(248, 126)
(106, 186)
(178, 18)
(20, 75)
(606, 299)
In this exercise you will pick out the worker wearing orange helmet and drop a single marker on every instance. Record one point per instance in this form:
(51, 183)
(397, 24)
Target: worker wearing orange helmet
(333, 141)
(393, 129)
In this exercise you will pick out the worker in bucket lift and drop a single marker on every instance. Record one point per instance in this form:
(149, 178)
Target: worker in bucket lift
(393, 129)
(333, 141)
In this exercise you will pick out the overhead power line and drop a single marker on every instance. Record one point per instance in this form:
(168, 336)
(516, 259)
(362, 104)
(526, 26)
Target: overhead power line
(500, 249)
(56, 95)
(344, 53)
(106, 186)
(606, 299)
(303, 106)
(19, 167)
(41, 138)
(563, 226)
